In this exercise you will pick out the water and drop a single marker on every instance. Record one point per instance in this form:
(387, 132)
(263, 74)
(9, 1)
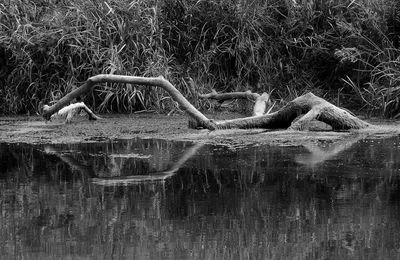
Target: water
(327, 201)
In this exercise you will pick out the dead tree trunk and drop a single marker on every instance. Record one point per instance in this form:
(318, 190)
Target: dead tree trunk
(311, 106)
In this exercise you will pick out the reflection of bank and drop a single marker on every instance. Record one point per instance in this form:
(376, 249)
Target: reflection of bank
(223, 203)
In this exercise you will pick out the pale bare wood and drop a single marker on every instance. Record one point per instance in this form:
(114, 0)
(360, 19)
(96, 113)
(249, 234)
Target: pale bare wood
(147, 81)
(231, 95)
(261, 104)
(312, 106)
(71, 110)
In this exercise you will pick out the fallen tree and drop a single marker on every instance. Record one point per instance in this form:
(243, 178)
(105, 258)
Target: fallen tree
(308, 105)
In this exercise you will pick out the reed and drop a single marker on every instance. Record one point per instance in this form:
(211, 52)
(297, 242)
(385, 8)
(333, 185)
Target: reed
(342, 50)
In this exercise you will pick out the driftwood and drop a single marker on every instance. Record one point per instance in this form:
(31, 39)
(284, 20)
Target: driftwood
(309, 105)
(156, 82)
(261, 102)
(232, 95)
(70, 111)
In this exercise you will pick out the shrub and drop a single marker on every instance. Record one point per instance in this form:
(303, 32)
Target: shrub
(340, 49)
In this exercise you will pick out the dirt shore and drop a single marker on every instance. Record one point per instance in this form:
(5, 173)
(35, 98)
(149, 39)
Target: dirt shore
(34, 129)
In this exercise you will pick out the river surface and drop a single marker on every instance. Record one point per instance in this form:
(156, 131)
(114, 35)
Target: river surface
(157, 199)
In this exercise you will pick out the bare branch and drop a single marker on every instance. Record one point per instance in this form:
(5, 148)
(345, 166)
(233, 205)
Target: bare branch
(322, 110)
(156, 82)
(232, 95)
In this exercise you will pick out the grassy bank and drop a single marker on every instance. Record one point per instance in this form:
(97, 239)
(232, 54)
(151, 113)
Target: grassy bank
(345, 51)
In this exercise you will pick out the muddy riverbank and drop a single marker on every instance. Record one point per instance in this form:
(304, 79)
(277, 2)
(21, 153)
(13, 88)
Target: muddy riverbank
(34, 129)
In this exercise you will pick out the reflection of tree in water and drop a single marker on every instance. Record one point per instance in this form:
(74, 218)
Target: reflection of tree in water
(221, 203)
(318, 155)
(118, 159)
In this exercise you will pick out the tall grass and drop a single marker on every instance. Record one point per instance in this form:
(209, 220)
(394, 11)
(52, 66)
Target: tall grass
(340, 49)
(51, 47)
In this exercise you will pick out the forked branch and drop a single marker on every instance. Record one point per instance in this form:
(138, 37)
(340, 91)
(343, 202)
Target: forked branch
(313, 107)
(155, 82)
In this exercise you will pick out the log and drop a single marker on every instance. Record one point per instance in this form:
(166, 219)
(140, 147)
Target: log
(309, 105)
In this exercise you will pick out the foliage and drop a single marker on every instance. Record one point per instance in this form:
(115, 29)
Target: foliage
(341, 49)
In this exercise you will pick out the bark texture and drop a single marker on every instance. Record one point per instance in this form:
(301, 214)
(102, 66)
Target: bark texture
(309, 105)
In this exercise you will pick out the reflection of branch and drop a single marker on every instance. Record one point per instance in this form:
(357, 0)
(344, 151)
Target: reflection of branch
(318, 155)
(70, 161)
(158, 176)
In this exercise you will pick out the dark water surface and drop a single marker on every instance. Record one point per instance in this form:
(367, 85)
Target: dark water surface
(328, 201)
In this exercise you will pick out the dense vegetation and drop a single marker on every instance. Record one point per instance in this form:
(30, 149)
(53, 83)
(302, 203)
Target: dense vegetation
(344, 50)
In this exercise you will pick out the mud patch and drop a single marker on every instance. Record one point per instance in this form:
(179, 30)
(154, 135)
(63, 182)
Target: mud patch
(35, 130)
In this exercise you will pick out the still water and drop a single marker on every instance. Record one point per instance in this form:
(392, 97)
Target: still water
(155, 199)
